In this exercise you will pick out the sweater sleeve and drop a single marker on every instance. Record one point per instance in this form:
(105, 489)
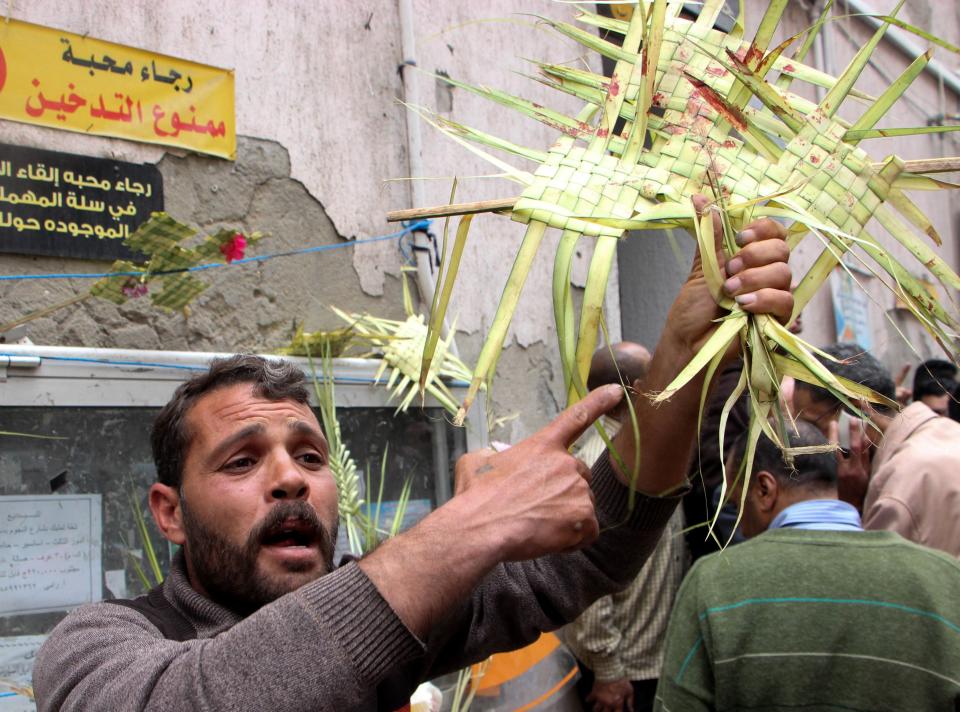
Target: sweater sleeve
(324, 647)
(515, 602)
(686, 681)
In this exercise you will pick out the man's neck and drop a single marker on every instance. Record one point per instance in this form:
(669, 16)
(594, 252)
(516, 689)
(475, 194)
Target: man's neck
(803, 494)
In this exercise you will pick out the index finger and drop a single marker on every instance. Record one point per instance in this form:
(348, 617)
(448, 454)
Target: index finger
(701, 203)
(573, 422)
(856, 437)
(833, 432)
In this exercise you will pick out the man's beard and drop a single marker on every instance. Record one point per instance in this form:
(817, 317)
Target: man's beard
(229, 572)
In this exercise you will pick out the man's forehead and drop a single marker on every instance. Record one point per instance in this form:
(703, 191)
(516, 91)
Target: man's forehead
(238, 403)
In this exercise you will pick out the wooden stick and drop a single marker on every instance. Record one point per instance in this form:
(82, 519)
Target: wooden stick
(931, 165)
(923, 165)
(439, 211)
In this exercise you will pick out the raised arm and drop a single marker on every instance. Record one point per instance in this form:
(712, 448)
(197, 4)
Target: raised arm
(516, 551)
(527, 501)
(759, 279)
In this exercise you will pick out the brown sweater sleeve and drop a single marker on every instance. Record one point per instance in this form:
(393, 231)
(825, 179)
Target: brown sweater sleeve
(323, 647)
(517, 601)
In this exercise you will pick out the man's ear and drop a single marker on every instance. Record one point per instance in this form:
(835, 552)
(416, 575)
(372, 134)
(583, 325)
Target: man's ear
(165, 506)
(767, 490)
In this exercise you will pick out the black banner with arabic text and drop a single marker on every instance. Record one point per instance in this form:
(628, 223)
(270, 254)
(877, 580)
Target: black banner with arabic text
(65, 205)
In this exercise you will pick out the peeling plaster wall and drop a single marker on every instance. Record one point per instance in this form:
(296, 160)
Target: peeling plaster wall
(317, 89)
(250, 307)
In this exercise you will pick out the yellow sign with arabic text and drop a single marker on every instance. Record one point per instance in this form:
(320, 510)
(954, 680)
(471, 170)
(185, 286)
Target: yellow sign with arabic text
(66, 81)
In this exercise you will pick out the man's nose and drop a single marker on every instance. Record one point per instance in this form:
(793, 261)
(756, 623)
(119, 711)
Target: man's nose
(287, 481)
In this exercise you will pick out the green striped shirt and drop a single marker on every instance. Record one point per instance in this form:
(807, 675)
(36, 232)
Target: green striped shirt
(816, 620)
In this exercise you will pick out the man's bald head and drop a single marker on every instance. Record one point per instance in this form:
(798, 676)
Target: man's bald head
(625, 360)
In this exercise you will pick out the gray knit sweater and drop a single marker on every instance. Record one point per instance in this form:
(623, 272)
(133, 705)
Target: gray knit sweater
(335, 643)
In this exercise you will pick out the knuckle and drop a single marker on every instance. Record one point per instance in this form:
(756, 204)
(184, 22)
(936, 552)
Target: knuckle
(782, 250)
(771, 229)
(579, 415)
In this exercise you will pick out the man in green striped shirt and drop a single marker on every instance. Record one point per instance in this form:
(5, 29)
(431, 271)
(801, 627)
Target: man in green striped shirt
(814, 613)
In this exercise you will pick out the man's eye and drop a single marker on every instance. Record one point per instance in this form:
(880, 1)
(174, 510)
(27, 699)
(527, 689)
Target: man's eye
(311, 458)
(239, 463)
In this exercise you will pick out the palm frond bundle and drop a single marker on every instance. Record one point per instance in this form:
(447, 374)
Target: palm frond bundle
(682, 91)
(400, 346)
(165, 272)
(344, 469)
(792, 159)
(169, 257)
(359, 514)
(304, 343)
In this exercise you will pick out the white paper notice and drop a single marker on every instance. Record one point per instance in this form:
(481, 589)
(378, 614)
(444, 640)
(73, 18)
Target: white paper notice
(49, 552)
(16, 669)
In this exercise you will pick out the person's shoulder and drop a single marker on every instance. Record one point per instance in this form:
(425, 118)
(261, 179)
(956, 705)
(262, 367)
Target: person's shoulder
(89, 646)
(101, 619)
(921, 431)
(733, 556)
(925, 556)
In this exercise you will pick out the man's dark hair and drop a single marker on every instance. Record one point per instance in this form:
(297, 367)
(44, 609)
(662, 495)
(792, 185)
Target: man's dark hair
(855, 364)
(815, 470)
(170, 437)
(934, 378)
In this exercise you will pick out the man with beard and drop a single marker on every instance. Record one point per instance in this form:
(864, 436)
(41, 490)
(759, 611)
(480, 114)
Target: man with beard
(253, 615)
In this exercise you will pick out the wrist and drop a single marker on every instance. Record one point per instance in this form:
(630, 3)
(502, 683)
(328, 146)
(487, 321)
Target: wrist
(607, 671)
(447, 552)
(672, 353)
(469, 524)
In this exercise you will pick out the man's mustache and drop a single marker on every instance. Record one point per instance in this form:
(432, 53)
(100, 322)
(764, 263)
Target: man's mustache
(309, 524)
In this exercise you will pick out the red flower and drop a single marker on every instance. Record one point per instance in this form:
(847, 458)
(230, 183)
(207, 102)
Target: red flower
(134, 288)
(233, 250)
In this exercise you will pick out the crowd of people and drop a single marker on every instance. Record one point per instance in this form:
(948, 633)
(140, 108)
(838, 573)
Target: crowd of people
(851, 555)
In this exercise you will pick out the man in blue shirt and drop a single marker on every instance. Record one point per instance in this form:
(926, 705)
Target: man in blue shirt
(802, 495)
(812, 612)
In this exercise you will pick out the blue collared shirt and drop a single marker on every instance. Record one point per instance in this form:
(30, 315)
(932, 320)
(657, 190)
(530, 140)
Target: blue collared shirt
(824, 514)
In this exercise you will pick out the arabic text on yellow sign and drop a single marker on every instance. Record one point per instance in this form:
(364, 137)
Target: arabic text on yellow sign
(59, 79)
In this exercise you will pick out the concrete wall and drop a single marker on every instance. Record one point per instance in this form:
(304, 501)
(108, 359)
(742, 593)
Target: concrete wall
(322, 131)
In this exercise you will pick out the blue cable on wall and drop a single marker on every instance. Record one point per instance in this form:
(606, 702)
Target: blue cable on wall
(418, 226)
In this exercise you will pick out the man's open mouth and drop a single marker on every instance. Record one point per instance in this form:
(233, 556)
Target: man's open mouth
(292, 533)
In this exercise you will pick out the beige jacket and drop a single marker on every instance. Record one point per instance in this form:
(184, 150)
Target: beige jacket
(915, 486)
